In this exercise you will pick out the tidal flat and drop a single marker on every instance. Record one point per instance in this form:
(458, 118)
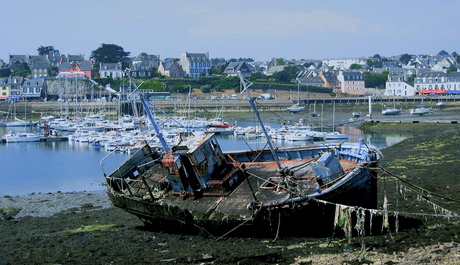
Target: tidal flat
(86, 232)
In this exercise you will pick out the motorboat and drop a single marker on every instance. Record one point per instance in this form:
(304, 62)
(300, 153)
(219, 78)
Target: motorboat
(391, 111)
(20, 137)
(420, 111)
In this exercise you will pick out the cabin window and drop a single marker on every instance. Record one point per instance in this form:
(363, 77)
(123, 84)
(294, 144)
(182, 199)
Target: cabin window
(199, 155)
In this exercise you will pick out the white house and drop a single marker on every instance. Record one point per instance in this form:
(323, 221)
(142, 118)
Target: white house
(343, 63)
(111, 70)
(195, 64)
(397, 86)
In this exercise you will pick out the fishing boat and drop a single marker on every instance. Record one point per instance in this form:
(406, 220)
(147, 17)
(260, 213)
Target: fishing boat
(195, 187)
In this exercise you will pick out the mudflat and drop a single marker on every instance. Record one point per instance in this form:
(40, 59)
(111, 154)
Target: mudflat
(83, 227)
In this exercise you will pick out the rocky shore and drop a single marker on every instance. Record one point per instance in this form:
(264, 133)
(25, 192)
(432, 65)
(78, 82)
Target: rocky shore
(83, 227)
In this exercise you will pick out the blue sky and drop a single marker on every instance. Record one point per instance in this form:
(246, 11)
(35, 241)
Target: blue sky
(292, 29)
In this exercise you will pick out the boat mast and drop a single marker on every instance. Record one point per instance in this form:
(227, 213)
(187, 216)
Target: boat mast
(298, 91)
(256, 111)
(158, 132)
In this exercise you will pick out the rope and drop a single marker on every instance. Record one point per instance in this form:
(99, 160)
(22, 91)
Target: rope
(278, 228)
(385, 211)
(282, 118)
(423, 192)
(304, 165)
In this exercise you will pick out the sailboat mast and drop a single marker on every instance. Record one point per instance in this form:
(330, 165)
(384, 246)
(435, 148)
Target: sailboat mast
(256, 111)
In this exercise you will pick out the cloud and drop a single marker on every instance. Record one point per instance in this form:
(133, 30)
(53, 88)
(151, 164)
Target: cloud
(275, 23)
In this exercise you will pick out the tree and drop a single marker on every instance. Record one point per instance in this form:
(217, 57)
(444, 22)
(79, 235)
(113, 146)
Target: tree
(109, 53)
(5, 72)
(377, 56)
(375, 80)
(42, 50)
(355, 66)
(287, 75)
(405, 59)
(452, 69)
(258, 75)
(206, 88)
(280, 61)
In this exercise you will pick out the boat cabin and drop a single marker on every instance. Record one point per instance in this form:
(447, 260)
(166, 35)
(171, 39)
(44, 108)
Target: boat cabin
(197, 167)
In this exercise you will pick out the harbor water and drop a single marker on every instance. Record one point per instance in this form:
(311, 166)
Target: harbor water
(41, 167)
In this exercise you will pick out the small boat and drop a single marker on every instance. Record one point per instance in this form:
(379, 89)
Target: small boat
(195, 187)
(336, 136)
(420, 110)
(356, 114)
(391, 111)
(295, 108)
(298, 136)
(440, 104)
(20, 137)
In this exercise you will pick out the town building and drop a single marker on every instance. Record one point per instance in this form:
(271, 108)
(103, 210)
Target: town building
(171, 68)
(437, 83)
(32, 88)
(351, 82)
(144, 65)
(75, 69)
(233, 68)
(330, 80)
(110, 70)
(397, 85)
(195, 64)
(341, 64)
(15, 83)
(39, 69)
(4, 89)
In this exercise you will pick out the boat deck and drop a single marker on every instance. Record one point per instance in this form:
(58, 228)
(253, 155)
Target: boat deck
(261, 185)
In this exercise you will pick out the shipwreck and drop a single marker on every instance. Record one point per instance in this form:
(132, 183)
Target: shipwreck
(195, 187)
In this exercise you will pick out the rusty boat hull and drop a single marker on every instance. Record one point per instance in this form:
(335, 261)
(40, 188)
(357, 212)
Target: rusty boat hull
(197, 188)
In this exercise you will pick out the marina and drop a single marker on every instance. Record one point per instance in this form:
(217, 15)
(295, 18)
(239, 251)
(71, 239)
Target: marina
(58, 151)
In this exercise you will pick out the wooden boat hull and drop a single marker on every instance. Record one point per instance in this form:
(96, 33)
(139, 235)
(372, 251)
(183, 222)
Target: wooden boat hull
(255, 206)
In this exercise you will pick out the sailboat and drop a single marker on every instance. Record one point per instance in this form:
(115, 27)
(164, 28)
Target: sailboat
(196, 187)
(334, 135)
(16, 122)
(391, 111)
(296, 107)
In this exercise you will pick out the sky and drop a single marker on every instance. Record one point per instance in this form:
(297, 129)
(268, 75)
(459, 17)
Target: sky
(262, 30)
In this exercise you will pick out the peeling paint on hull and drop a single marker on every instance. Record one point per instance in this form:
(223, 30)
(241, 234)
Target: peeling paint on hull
(249, 195)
